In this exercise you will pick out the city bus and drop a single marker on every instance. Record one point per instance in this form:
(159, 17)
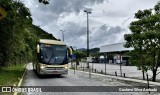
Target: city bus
(52, 57)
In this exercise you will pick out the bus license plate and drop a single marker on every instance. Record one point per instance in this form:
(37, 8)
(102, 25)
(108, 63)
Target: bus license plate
(55, 72)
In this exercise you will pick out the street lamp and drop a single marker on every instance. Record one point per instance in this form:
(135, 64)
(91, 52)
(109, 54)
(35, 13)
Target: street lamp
(62, 34)
(88, 40)
(87, 32)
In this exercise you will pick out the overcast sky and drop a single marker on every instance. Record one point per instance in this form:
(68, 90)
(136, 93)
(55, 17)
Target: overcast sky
(108, 22)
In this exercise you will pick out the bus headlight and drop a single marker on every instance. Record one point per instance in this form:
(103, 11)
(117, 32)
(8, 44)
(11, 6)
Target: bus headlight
(66, 67)
(42, 67)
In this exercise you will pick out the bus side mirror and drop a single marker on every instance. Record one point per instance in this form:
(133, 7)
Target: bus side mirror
(69, 52)
(38, 48)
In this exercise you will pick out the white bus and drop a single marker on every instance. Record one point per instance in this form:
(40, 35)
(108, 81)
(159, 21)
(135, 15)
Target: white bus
(52, 57)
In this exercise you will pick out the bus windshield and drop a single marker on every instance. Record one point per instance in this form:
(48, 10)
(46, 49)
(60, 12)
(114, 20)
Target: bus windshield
(53, 54)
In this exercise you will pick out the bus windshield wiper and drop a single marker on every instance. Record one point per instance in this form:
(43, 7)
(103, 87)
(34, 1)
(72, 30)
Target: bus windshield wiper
(50, 58)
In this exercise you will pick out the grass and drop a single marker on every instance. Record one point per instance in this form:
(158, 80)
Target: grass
(11, 75)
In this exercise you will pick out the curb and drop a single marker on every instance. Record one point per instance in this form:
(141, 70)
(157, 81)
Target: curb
(20, 81)
(125, 79)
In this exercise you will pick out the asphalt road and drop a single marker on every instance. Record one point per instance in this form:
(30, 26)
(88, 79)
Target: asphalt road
(77, 79)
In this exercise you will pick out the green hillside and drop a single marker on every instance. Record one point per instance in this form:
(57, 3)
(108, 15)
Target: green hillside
(18, 36)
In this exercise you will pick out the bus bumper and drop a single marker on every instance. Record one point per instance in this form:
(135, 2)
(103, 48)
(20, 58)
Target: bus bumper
(53, 72)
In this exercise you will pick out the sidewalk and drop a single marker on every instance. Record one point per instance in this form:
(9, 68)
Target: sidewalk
(122, 78)
(129, 71)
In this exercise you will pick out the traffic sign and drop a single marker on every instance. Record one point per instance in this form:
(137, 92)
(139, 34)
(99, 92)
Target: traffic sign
(3, 13)
(73, 56)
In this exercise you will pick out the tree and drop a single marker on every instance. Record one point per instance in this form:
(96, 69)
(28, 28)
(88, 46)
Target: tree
(145, 39)
(80, 55)
(12, 27)
(18, 35)
(94, 52)
(44, 1)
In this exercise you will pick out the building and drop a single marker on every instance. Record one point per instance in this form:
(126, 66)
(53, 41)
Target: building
(114, 53)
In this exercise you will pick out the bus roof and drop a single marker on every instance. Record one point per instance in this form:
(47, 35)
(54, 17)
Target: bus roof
(47, 41)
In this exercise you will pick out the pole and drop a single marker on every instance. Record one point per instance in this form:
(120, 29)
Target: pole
(120, 69)
(105, 63)
(71, 63)
(83, 66)
(89, 72)
(115, 73)
(74, 68)
(120, 66)
(92, 67)
(148, 82)
(87, 12)
(87, 36)
(62, 34)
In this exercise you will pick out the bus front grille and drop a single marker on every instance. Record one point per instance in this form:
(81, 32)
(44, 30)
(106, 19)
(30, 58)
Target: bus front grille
(54, 68)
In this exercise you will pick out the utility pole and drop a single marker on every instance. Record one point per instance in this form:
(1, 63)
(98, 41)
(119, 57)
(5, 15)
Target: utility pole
(87, 32)
(62, 34)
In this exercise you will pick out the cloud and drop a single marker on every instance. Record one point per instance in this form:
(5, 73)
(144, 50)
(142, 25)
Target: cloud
(108, 22)
(106, 35)
(55, 8)
(77, 35)
(48, 16)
